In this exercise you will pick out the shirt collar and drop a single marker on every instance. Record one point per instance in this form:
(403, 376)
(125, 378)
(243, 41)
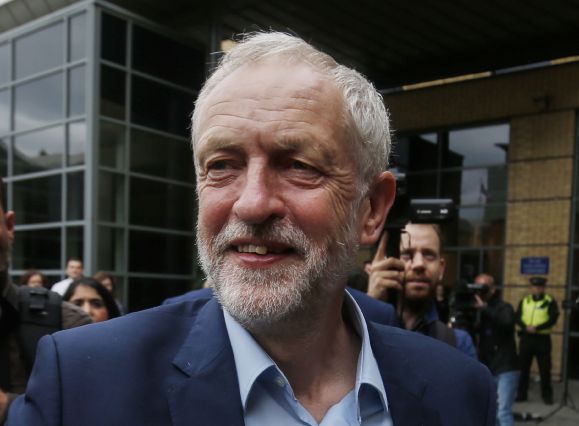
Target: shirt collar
(251, 362)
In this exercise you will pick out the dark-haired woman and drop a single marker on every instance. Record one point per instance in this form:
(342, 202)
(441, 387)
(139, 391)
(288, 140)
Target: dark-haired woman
(93, 298)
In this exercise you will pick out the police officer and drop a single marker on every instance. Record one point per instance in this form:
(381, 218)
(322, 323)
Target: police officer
(536, 315)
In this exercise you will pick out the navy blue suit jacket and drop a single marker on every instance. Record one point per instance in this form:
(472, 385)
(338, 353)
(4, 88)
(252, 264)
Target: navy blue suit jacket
(173, 365)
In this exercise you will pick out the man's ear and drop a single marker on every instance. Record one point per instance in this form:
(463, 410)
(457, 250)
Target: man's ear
(442, 267)
(375, 207)
(10, 221)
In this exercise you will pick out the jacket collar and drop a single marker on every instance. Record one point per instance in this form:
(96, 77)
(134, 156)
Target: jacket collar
(203, 389)
(204, 380)
(404, 389)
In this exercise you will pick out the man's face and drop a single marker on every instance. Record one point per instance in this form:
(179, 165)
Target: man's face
(488, 282)
(74, 269)
(277, 191)
(538, 290)
(424, 268)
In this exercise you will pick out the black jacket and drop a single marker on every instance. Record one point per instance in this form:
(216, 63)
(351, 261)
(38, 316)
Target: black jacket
(496, 332)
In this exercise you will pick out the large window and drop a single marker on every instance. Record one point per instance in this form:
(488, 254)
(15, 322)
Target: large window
(146, 182)
(43, 139)
(468, 166)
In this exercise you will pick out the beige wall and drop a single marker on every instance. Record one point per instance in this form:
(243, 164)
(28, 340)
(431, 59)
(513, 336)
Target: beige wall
(540, 106)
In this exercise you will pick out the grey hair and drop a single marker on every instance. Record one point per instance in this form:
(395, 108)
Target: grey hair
(364, 105)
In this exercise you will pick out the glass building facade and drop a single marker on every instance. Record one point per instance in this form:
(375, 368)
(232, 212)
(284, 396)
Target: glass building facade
(468, 166)
(94, 149)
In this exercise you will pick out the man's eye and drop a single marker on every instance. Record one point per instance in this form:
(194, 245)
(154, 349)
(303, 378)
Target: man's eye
(218, 165)
(405, 257)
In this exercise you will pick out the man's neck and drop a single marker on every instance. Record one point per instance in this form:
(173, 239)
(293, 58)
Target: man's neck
(321, 361)
(414, 311)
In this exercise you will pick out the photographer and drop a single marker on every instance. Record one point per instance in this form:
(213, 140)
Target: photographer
(496, 344)
(413, 278)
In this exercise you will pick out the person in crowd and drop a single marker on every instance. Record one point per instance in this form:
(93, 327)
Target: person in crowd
(34, 278)
(414, 278)
(93, 298)
(536, 316)
(21, 324)
(290, 150)
(110, 283)
(496, 345)
(74, 270)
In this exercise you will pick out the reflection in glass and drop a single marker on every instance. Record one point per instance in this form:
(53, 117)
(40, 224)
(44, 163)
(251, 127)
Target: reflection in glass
(111, 249)
(111, 197)
(479, 146)
(161, 205)
(160, 253)
(4, 157)
(5, 63)
(156, 155)
(37, 249)
(112, 145)
(493, 264)
(39, 102)
(74, 242)
(76, 143)
(475, 186)
(477, 226)
(75, 196)
(112, 92)
(39, 51)
(469, 266)
(160, 107)
(113, 39)
(38, 151)
(38, 200)
(168, 59)
(4, 111)
(415, 153)
(76, 95)
(423, 185)
(77, 37)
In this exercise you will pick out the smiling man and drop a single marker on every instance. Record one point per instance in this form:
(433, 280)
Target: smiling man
(290, 150)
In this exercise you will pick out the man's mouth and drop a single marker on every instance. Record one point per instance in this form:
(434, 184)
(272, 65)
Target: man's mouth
(262, 249)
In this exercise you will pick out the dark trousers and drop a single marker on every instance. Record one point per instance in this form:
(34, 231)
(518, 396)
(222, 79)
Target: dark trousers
(539, 346)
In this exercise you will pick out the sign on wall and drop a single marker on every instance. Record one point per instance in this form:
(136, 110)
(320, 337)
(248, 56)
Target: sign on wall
(535, 265)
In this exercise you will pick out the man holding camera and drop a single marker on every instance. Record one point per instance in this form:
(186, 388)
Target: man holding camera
(536, 315)
(413, 277)
(496, 344)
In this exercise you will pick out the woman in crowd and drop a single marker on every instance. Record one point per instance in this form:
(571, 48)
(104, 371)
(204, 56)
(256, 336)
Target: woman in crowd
(34, 278)
(93, 298)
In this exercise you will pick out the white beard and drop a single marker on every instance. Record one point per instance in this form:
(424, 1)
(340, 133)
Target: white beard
(263, 299)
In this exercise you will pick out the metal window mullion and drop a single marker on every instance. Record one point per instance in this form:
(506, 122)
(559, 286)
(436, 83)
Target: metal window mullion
(92, 99)
(127, 161)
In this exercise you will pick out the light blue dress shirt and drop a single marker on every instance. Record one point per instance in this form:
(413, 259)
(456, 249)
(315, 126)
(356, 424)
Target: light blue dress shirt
(268, 398)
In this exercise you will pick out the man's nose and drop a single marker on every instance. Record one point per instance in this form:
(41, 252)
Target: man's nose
(417, 261)
(259, 199)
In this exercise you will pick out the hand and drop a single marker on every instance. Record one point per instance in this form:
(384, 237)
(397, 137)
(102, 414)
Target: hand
(387, 273)
(3, 404)
(479, 303)
(531, 330)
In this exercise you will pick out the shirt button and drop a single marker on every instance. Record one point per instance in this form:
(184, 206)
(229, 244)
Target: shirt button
(280, 382)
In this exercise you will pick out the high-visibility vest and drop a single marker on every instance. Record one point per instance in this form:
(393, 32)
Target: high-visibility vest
(536, 312)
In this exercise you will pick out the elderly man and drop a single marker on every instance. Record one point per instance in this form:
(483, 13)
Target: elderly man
(289, 149)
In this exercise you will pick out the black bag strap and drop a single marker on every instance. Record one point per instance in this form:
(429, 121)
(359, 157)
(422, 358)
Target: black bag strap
(443, 333)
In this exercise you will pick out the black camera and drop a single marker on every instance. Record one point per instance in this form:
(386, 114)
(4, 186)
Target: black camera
(463, 305)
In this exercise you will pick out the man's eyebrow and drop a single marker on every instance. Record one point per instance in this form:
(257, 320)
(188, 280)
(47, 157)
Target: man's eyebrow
(213, 144)
(291, 144)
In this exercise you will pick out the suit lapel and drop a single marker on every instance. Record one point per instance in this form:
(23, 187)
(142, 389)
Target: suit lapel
(203, 388)
(404, 389)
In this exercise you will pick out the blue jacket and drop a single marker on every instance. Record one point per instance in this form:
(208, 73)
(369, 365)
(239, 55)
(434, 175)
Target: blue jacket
(173, 365)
